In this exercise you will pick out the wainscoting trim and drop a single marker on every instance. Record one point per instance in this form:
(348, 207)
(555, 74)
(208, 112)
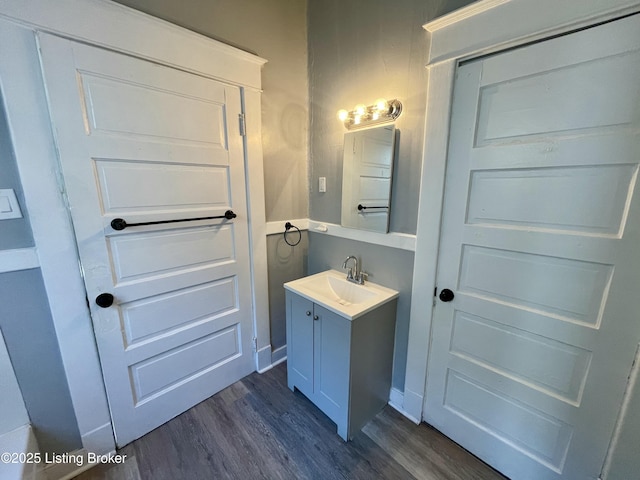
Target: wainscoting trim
(276, 227)
(18, 259)
(279, 355)
(403, 241)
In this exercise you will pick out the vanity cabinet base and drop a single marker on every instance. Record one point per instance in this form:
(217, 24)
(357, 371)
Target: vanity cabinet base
(343, 366)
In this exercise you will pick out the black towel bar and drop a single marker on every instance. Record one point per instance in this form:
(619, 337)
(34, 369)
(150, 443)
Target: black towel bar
(121, 224)
(362, 207)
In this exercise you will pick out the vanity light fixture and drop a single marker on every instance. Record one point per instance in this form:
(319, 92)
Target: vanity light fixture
(381, 111)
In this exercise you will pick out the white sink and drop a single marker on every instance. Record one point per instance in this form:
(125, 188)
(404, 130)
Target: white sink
(332, 290)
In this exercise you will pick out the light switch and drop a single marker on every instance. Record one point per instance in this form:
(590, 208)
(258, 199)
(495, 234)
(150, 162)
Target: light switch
(322, 184)
(9, 207)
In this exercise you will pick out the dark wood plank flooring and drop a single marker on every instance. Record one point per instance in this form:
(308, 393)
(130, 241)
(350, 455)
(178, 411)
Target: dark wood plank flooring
(258, 429)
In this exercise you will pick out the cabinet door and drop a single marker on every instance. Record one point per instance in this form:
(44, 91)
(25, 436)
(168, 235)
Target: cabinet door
(332, 338)
(300, 344)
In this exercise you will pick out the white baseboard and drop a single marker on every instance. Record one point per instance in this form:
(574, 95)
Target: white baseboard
(264, 359)
(99, 440)
(70, 465)
(396, 399)
(20, 441)
(412, 406)
(279, 355)
(33, 472)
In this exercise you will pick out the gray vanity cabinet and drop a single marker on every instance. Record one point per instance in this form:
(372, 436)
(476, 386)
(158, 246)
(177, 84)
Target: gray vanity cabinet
(342, 365)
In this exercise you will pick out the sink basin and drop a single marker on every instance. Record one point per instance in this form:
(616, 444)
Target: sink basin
(332, 290)
(339, 290)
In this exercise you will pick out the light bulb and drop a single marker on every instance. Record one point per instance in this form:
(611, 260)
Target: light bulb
(356, 119)
(375, 116)
(343, 115)
(381, 105)
(360, 109)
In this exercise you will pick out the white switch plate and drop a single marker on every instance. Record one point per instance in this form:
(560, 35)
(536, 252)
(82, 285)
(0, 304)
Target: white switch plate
(322, 184)
(9, 207)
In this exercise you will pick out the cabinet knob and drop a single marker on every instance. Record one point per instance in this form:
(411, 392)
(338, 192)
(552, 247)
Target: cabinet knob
(316, 317)
(308, 313)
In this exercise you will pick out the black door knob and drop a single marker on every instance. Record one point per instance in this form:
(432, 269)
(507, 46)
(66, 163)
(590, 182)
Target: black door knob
(446, 295)
(104, 300)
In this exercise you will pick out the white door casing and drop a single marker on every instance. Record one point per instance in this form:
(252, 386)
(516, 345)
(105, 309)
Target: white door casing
(145, 142)
(528, 364)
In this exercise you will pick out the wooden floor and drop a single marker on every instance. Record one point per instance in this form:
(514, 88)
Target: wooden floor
(257, 428)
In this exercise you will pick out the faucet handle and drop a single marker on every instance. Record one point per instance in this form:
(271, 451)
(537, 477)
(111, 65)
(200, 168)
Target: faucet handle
(362, 277)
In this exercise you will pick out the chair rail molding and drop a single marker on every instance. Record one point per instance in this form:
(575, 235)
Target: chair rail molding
(403, 241)
(109, 25)
(18, 259)
(278, 226)
(462, 35)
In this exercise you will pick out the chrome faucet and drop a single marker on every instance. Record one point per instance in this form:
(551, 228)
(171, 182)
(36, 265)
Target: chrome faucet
(353, 274)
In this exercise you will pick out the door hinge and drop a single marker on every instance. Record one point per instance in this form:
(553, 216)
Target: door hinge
(255, 344)
(242, 124)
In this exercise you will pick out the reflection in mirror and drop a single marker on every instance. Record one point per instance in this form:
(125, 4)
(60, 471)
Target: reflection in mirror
(366, 178)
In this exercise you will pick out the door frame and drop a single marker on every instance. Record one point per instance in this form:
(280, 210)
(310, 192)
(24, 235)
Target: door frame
(23, 91)
(462, 35)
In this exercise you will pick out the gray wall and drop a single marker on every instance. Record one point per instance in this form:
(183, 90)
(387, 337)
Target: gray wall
(277, 31)
(360, 50)
(14, 233)
(13, 413)
(386, 266)
(27, 327)
(285, 263)
(357, 51)
(25, 321)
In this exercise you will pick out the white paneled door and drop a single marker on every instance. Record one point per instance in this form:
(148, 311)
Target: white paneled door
(539, 249)
(144, 143)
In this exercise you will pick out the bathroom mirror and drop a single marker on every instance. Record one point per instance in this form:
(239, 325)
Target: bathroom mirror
(366, 178)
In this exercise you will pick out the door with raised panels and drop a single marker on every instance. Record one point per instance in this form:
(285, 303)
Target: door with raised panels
(171, 302)
(531, 349)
